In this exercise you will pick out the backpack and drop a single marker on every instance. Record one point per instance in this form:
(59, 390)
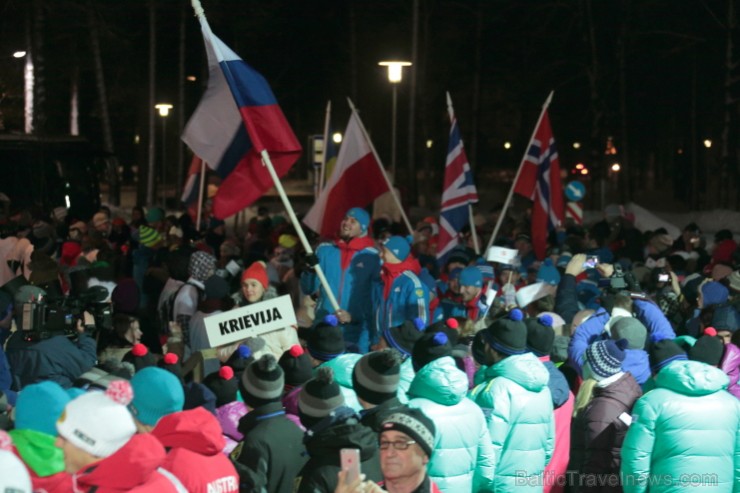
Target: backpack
(166, 311)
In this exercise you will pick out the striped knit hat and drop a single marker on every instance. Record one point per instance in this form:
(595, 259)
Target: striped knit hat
(376, 375)
(413, 423)
(605, 357)
(319, 397)
(262, 382)
(149, 237)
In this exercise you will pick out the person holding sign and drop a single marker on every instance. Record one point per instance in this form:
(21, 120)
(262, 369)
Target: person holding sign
(352, 266)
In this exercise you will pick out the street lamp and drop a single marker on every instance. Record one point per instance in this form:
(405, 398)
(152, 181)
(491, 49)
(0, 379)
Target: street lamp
(164, 112)
(19, 54)
(395, 75)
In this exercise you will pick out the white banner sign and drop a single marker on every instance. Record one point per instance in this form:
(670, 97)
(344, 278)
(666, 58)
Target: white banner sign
(250, 321)
(534, 292)
(502, 255)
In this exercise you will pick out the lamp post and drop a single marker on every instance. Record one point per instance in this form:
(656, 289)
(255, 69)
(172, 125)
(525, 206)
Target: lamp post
(395, 75)
(164, 112)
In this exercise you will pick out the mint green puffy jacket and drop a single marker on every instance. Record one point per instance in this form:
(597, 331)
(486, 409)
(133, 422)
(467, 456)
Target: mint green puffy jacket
(462, 459)
(407, 376)
(685, 434)
(342, 366)
(517, 404)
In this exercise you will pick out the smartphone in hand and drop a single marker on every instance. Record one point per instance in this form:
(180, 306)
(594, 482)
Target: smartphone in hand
(350, 462)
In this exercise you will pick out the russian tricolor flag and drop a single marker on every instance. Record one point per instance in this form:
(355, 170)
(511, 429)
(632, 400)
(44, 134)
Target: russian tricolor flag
(237, 118)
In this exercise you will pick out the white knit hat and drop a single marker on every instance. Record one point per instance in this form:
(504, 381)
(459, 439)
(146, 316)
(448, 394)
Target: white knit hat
(13, 474)
(99, 422)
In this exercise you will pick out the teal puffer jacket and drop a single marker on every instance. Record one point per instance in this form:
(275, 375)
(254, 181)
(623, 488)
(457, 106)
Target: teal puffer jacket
(342, 366)
(517, 404)
(462, 459)
(407, 376)
(685, 434)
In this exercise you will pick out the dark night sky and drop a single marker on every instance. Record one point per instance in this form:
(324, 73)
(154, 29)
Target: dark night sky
(303, 49)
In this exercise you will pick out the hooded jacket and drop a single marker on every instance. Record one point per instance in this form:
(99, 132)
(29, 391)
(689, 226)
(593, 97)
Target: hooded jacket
(342, 367)
(562, 402)
(407, 376)
(272, 450)
(598, 431)
(228, 417)
(194, 445)
(518, 407)
(323, 444)
(44, 461)
(133, 468)
(730, 364)
(408, 298)
(686, 430)
(462, 459)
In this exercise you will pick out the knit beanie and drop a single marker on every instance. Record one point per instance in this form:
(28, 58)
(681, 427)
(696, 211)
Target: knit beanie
(326, 341)
(429, 347)
(149, 237)
(605, 357)
(398, 246)
(258, 272)
(157, 393)
(631, 329)
(415, 424)
(726, 317)
(708, 348)
(262, 382)
(548, 273)
(216, 287)
(223, 385)
(171, 363)
(361, 216)
(508, 335)
(140, 357)
(155, 214)
(296, 366)
(240, 359)
(663, 352)
(713, 293)
(540, 335)
(319, 397)
(202, 265)
(39, 406)
(98, 422)
(404, 336)
(14, 476)
(376, 375)
(451, 328)
(471, 276)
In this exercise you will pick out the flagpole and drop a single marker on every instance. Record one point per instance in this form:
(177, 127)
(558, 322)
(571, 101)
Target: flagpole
(200, 193)
(380, 165)
(518, 172)
(200, 13)
(320, 184)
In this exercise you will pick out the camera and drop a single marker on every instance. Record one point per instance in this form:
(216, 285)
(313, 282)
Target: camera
(664, 277)
(49, 317)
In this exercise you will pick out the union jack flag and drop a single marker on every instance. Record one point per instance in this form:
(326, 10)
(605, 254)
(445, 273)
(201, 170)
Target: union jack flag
(458, 193)
(539, 181)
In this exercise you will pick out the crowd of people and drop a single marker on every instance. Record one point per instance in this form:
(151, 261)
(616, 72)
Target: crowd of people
(612, 364)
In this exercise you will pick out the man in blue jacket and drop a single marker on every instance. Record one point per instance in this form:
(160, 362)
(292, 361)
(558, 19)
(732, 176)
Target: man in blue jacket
(352, 267)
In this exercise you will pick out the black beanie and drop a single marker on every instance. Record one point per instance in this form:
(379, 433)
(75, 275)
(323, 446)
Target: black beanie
(223, 384)
(508, 335)
(449, 326)
(296, 366)
(319, 397)
(376, 375)
(431, 346)
(325, 341)
(240, 359)
(663, 352)
(140, 357)
(415, 424)
(404, 336)
(708, 348)
(540, 336)
(262, 382)
(171, 363)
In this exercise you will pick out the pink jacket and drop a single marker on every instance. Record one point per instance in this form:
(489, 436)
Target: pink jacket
(730, 364)
(228, 417)
(554, 477)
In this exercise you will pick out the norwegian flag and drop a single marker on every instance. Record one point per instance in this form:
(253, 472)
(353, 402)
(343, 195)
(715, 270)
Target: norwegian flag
(539, 181)
(459, 190)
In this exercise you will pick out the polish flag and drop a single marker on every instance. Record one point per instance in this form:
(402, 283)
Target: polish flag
(356, 181)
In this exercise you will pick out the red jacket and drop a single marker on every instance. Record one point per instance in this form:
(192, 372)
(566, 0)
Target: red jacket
(133, 468)
(195, 443)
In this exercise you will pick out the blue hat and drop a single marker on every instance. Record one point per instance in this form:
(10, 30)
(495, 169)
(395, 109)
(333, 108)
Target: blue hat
(471, 276)
(454, 274)
(426, 277)
(548, 273)
(399, 247)
(361, 216)
(564, 259)
(157, 393)
(39, 406)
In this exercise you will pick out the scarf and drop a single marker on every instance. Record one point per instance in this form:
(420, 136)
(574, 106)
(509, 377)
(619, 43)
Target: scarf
(389, 272)
(347, 249)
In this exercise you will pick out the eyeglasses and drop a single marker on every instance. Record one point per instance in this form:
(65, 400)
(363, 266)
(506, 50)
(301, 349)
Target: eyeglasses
(398, 445)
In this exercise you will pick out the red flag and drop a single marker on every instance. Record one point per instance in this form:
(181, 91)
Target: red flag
(539, 180)
(356, 181)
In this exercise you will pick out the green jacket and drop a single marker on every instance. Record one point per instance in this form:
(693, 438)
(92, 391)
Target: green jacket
(685, 434)
(517, 404)
(342, 366)
(462, 459)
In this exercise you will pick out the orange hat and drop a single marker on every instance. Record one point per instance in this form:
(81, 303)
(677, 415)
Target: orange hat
(258, 272)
